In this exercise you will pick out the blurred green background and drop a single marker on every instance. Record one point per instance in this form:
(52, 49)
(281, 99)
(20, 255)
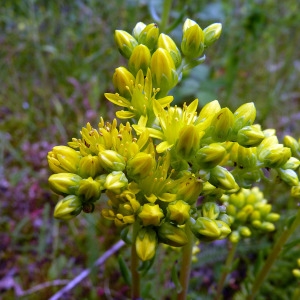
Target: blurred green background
(56, 61)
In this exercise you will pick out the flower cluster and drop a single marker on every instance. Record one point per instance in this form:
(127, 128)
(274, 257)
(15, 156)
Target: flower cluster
(249, 212)
(165, 171)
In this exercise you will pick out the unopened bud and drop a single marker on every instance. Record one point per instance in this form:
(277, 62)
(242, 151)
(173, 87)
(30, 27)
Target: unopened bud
(250, 136)
(210, 210)
(151, 214)
(221, 124)
(165, 42)
(90, 188)
(63, 159)
(111, 160)
(273, 156)
(288, 176)
(234, 237)
(212, 33)
(188, 141)
(172, 235)
(192, 45)
(225, 229)
(146, 243)
(222, 178)
(139, 59)
(163, 70)
(272, 217)
(123, 81)
(293, 144)
(210, 156)
(206, 228)
(89, 166)
(245, 231)
(244, 116)
(125, 42)
(149, 36)
(189, 189)
(116, 181)
(67, 208)
(178, 212)
(64, 183)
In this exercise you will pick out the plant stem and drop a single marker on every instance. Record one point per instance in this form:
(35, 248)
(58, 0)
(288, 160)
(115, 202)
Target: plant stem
(287, 232)
(135, 276)
(165, 15)
(226, 270)
(186, 265)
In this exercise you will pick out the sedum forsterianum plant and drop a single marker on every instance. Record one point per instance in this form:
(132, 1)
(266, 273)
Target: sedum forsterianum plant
(170, 172)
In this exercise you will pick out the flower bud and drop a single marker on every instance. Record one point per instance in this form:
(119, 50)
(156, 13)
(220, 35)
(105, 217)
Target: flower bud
(244, 231)
(293, 163)
(244, 116)
(296, 273)
(292, 143)
(90, 188)
(188, 141)
(146, 243)
(125, 42)
(234, 237)
(272, 217)
(210, 156)
(178, 212)
(111, 160)
(210, 210)
(151, 214)
(149, 36)
(288, 176)
(205, 228)
(140, 165)
(165, 42)
(123, 81)
(172, 235)
(189, 189)
(250, 136)
(221, 124)
(139, 27)
(246, 157)
(267, 226)
(295, 191)
(273, 156)
(163, 70)
(67, 208)
(63, 159)
(225, 229)
(192, 45)
(64, 183)
(222, 178)
(212, 33)
(139, 59)
(89, 166)
(115, 181)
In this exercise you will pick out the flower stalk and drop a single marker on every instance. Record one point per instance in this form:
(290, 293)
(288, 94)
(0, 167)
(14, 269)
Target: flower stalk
(262, 275)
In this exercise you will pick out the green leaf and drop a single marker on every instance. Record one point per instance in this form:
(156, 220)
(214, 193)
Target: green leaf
(124, 270)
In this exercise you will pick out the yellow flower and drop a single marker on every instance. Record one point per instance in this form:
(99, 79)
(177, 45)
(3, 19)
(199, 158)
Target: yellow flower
(171, 122)
(140, 103)
(151, 214)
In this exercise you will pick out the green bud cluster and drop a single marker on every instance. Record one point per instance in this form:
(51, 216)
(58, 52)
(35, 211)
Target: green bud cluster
(296, 271)
(249, 213)
(212, 223)
(155, 168)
